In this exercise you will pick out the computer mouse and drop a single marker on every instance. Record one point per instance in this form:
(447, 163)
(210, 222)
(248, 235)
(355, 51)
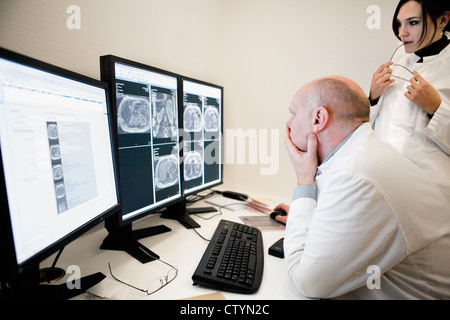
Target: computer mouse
(278, 213)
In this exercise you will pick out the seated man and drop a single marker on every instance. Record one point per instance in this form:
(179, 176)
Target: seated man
(365, 222)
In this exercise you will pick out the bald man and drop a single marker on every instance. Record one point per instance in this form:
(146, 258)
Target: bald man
(365, 222)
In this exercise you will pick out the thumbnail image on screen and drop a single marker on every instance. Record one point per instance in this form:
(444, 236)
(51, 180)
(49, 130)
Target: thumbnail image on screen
(71, 142)
(147, 124)
(202, 135)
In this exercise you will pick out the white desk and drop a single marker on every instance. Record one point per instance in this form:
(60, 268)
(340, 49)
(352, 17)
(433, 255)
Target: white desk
(180, 247)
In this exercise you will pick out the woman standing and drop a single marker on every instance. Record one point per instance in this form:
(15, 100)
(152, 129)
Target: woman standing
(410, 95)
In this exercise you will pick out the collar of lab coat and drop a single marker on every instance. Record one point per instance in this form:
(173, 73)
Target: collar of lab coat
(433, 49)
(410, 59)
(324, 164)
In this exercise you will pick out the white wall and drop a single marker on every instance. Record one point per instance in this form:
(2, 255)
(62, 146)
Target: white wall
(261, 51)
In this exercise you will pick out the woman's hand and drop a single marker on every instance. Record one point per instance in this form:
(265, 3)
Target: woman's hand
(381, 80)
(423, 94)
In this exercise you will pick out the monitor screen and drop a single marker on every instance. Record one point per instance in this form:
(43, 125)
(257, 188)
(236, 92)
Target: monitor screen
(146, 116)
(57, 155)
(201, 113)
(202, 135)
(146, 102)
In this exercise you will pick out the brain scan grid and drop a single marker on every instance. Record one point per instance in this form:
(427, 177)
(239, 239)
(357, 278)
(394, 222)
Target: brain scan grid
(201, 124)
(58, 174)
(147, 118)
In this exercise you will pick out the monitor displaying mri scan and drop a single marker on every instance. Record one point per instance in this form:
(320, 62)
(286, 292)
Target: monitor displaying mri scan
(169, 141)
(146, 101)
(202, 135)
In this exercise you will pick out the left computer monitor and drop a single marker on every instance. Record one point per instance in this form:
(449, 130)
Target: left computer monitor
(145, 101)
(58, 162)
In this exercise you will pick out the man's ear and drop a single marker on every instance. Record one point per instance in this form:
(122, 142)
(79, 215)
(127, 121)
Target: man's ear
(320, 119)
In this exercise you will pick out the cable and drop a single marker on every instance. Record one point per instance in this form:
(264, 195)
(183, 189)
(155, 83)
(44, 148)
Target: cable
(208, 240)
(220, 213)
(198, 197)
(52, 268)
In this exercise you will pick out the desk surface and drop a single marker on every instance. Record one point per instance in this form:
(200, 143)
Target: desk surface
(180, 247)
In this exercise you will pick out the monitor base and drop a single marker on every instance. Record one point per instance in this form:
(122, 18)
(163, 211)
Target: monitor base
(179, 212)
(126, 239)
(64, 291)
(30, 285)
(49, 275)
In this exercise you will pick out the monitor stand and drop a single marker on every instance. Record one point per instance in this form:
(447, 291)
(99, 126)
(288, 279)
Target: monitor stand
(34, 283)
(64, 291)
(179, 212)
(125, 239)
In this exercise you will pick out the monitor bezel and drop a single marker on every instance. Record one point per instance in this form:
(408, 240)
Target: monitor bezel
(107, 74)
(13, 269)
(181, 103)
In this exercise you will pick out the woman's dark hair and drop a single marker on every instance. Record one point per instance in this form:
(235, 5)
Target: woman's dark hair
(431, 9)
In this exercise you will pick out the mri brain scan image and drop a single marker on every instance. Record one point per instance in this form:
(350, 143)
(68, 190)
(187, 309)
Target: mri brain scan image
(164, 116)
(55, 152)
(52, 131)
(193, 165)
(57, 172)
(166, 172)
(211, 119)
(133, 115)
(60, 190)
(192, 118)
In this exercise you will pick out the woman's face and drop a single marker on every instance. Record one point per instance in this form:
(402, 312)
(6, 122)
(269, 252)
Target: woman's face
(411, 25)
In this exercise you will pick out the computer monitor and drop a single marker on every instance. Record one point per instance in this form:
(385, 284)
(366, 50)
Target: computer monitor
(201, 112)
(202, 135)
(145, 103)
(58, 162)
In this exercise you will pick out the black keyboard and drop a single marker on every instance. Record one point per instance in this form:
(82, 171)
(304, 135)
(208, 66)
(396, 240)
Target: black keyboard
(233, 260)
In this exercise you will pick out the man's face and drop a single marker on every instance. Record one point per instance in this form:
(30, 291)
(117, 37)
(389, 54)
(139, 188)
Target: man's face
(299, 123)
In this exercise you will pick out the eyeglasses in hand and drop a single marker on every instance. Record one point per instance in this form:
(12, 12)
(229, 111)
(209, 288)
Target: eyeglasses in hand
(397, 68)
